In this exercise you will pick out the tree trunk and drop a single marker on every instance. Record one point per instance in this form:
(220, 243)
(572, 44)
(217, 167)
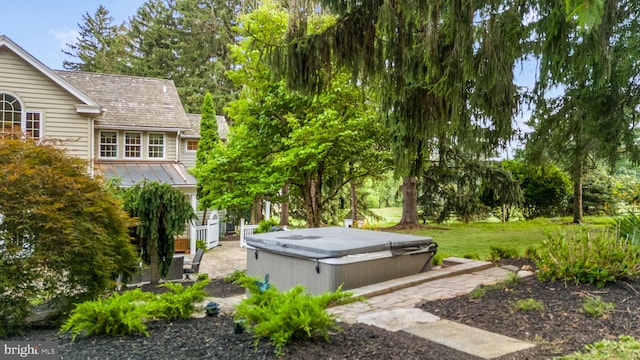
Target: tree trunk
(154, 266)
(284, 213)
(256, 210)
(311, 202)
(577, 195)
(409, 201)
(354, 203)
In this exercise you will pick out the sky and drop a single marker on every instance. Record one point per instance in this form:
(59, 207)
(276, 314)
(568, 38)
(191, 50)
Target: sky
(43, 27)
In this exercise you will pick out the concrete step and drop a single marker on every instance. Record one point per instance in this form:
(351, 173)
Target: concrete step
(462, 266)
(474, 341)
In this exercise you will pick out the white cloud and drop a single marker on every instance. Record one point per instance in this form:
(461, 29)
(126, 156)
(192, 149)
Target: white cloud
(65, 37)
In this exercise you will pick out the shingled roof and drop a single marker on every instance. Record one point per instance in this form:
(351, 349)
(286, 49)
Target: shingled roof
(131, 101)
(195, 119)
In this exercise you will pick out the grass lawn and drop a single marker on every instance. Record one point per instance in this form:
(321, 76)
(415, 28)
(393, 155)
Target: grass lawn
(476, 239)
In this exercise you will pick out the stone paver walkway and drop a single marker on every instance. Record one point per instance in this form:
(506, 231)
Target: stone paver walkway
(392, 305)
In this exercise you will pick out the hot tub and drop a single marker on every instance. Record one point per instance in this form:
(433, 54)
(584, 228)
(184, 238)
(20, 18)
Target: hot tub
(322, 259)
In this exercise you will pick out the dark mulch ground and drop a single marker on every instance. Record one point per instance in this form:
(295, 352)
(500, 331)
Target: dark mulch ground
(559, 329)
(215, 288)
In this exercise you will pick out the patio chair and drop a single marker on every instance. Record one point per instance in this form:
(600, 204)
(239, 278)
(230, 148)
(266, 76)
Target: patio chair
(195, 264)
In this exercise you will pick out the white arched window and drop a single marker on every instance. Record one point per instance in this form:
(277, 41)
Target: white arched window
(14, 120)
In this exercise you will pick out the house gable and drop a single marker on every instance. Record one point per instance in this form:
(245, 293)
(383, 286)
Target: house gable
(62, 111)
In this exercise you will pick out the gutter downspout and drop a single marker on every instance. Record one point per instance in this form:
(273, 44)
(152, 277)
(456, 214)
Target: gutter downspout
(92, 139)
(178, 146)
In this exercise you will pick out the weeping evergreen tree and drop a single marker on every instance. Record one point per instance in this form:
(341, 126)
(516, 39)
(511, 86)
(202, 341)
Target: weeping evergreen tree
(446, 67)
(162, 212)
(589, 88)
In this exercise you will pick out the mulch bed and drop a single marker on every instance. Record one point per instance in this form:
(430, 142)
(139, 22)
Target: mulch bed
(559, 329)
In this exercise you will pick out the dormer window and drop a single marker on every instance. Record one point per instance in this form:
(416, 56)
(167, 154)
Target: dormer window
(15, 121)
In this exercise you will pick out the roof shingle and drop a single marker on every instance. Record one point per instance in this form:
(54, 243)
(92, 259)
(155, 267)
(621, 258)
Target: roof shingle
(131, 101)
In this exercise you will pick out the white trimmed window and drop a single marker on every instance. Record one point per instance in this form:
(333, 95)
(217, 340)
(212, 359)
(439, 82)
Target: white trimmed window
(108, 144)
(156, 146)
(192, 145)
(15, 121)
(10, 114)
(132, 145)
(32, 128)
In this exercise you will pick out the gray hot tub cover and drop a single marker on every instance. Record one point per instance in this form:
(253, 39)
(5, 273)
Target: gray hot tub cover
(332, 242)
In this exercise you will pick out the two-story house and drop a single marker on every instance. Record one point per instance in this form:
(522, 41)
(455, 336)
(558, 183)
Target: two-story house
(125, 127)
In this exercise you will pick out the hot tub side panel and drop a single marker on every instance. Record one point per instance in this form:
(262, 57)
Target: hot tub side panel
(286, 271)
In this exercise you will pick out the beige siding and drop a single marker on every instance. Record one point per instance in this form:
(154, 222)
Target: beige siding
(38, 93)
(188, 158)
(169, 145)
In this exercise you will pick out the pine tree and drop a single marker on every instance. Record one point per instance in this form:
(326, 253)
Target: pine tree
(100, 45)
(446, 66)
(593, 116)
(209, 136)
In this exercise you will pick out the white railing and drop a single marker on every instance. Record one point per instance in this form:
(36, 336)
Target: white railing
(209, 233)
(244, 231)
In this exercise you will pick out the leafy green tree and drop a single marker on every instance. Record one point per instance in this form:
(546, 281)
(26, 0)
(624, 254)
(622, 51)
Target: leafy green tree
(100, 45)
(63, 238)
(162, 212)
(446, 69)
(280, 137)
(593, 116)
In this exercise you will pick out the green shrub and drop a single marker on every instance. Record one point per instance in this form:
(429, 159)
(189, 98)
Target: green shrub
(596, 307)
(289, 315)
(587, 256)
(127, 313)
(202, 277)
(529, 304)
(120, 314)
(201, 244)
(625, 348)
(480, 291)
(50, 250)
(531, 252)
(236, 275)
(265, 225)
(628, 227)
(497, 253)
(179, 303)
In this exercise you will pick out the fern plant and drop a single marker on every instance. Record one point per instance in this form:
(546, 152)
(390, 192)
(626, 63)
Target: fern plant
(120, 314)
(127, 313)
(290, 315)
(179, 303)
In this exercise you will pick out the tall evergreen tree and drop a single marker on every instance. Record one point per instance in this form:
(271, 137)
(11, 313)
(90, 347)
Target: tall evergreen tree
(100, 45)
(209, 139)
(153, 41)
(209, 136)
(446, 66)
(595, 70)
(205, 30)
